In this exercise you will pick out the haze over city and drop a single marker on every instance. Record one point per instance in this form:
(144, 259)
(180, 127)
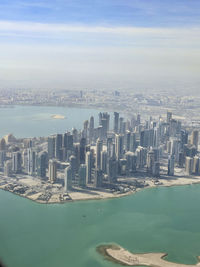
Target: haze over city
(136, 45)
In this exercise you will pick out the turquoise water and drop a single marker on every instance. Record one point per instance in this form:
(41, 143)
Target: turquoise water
(30, 121)
(153, 220)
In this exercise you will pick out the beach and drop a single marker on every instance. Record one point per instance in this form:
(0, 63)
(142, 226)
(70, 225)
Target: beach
(120, 255)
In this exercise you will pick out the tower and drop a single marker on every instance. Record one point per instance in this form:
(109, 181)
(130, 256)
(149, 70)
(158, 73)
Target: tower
(99, 147)
(68, 179)
(52, 171)
(88, 167)
(116, 122)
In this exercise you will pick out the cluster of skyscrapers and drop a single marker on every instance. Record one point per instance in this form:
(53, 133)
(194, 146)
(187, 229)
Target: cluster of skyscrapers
(97, 156)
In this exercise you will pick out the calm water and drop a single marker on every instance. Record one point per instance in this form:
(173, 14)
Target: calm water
(153, 220)
(30, 121)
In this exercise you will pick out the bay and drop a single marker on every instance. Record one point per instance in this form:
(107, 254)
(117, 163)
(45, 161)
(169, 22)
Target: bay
(35, 121)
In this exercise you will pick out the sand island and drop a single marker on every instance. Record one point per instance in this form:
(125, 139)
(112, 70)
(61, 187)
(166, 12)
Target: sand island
(120, 255)
(58, 117)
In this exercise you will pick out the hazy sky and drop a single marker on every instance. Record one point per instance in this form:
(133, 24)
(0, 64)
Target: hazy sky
(112, 44)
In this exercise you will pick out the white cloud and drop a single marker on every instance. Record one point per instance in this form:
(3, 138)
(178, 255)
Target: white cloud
(111, 57)
(11, 26)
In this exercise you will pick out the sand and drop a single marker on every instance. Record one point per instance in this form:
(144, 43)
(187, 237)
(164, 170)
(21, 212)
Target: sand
(118, 254)
(57, 116)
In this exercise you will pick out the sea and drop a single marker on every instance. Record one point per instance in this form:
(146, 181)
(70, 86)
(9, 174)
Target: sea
(66, 235)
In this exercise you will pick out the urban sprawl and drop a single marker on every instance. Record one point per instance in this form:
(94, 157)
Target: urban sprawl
(99, 162)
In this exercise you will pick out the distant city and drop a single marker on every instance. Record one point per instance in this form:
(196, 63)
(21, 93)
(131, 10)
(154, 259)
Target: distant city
(99, 162)
(185, 108)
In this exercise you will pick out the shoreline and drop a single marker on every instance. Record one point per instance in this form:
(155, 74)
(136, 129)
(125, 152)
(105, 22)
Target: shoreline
(117, 254)
(75, 196)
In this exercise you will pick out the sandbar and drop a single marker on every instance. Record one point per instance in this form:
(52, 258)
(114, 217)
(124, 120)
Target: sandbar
(58, 117)
(120, 255)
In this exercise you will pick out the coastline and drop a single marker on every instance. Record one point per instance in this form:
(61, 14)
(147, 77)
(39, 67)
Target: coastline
(99, 194)
(117, 254)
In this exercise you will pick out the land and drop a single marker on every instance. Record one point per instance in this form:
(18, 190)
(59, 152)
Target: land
(120, 255)
(185, 108)
(58, 117)
(44, 192)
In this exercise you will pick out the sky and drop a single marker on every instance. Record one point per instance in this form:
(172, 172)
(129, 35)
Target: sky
(100, 44)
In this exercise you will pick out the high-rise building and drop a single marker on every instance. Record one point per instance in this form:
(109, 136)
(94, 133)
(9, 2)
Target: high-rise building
(82, 175)
(195, 138)
(2, 144)
(31, 161)
(98, 178)
(68, 141)
(112, 170)
(195, 167)
(2, 157)
(128, 140)
(91, 129)
(52, 171)
(171, 165)
(121, 128)
(131, 162)
(88, 167)
(133, 143)
(74, 136)
(122, 166)
(51, 147)
(181, 159)
(150, 161)
(109, 147)
(119, 146)
(8, 168)
(156, 169)
(82, 150)
(16, 162)
(188, 165)
(141, 154)
(116, 122)
(41, 164)
(104, 158)
(99, 147)
(68, 179)
(58, 146)
(74, 166)
(169, 116)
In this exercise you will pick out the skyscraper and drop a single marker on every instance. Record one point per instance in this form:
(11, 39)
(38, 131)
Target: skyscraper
(82, 175)
(91, 129)
(52, 171)
(119, 146)
(169, 116)
(51, 147)
(68, 179)
(188, 165)
(16, 162)
(112, 170)
(99, 147)
(41, 164)
(58, 146)
(116, 122)
(88, 167)
(8, 168)
(104, 158)
(195, 138)
(98, 178)
(31, 161)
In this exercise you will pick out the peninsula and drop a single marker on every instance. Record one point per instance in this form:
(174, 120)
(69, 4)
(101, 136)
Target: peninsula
(99, 163)
(120, 255)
